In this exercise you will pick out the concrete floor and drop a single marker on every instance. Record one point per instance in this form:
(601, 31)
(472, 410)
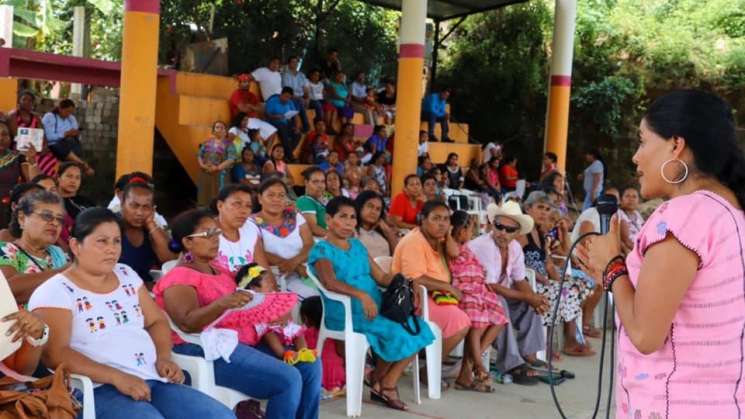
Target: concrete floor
(577, 398)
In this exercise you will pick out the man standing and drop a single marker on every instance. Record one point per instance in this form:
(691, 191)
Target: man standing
(281, 112)
(331, 64)
(434, 110)
(144, 244)
(502, 257)
(296, 80)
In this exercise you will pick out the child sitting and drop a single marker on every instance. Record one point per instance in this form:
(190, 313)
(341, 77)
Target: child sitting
(311, 311)
(282, 332)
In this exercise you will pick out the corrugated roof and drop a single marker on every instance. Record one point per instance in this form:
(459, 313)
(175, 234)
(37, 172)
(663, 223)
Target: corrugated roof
(450, 9)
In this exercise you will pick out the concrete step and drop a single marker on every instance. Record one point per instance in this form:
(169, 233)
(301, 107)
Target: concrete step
(438, 152)
(458, 131)
(199, 110)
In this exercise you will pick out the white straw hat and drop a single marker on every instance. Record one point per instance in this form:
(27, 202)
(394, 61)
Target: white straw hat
(511, 210)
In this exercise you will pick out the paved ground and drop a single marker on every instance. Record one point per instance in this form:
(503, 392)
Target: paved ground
(577, 398)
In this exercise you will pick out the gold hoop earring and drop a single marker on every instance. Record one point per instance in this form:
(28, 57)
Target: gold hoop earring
(675, 182)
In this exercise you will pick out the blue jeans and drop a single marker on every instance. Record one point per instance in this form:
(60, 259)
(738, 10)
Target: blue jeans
(167, 401)
(433, 119)
(293, 392)
(300, 105)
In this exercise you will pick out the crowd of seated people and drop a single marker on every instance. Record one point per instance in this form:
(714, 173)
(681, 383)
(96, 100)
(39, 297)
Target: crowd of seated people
(85, 271)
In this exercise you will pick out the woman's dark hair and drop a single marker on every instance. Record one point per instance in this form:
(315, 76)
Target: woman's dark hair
(427, 176)
(409, 177)
(214, 124)
(226, 192)
(430, 206)
(268, 183)
(64, 104)
(362, 199)
(706, 123)
(26, 199)
(236, 122)
(63, 167)
(552, 156)
(26, 93)
(508, 158)
(336, 204)
(185, 224)
(548, 181)
(450, 156)
(307, 173)
(89, 219)
(311, 311)
(459, 219)
(333, 173)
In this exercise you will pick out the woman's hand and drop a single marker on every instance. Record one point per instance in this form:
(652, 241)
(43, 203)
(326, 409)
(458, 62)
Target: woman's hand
(368, 306)
(237, 299)
(170, 370)
(594, 253)
(539, 303)
(134, 387)
(26, 325)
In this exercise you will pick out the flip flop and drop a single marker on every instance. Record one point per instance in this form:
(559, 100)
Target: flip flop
(380, 397)
(521, 375)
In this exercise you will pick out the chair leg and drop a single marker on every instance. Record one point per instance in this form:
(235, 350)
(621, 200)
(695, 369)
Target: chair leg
(434, 367)
(417, 385)
(355, 353)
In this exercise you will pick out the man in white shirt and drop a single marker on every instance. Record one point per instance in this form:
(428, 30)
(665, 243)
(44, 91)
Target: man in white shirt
(295, 79)
(269, 79)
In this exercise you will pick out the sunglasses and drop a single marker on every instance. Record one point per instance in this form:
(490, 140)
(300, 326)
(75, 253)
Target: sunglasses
(48, 217)
(212, 232)
(502, 227)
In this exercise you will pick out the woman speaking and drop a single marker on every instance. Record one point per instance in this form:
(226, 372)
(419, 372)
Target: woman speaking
(680, 293)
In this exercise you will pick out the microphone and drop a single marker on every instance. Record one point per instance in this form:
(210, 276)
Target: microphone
(607, 206)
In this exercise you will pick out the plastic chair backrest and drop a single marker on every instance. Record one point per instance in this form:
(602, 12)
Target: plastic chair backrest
(167, 266)
(344, 299)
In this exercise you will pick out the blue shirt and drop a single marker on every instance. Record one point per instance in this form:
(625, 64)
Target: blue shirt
(434, 105)
(274, 106)
(297, 81)
(55, 126)
(378, 141)
(326, 166)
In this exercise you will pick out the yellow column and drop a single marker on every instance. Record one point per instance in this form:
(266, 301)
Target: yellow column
(557, 113)
(409, 91)
(9, 98)
(137, 92)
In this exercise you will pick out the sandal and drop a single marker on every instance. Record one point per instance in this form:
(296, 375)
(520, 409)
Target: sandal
(476, 385)
(591, 332)
(524, 375)
(381, 397)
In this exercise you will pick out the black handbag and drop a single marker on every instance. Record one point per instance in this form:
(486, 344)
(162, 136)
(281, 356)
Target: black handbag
(398, 304)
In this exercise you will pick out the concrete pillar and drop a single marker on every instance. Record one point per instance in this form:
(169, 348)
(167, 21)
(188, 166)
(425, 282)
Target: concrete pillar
(409, 90)
(557, 113)
(6, 25)
(138, 86)
(80, 31)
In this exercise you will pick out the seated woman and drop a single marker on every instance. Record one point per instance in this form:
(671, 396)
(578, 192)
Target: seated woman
(240, 242)
(378, 237)
(286, 236)
(104, 324)
(18, 192)
(343, 266)
(30, 260)
(196, 293)
(537, 247)
(481, 304)
(334, 185)
(69, 177)
(407, 204)
(13, 167)
(420, 255)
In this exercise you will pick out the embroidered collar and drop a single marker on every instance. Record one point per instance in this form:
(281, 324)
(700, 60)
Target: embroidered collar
(284, 229)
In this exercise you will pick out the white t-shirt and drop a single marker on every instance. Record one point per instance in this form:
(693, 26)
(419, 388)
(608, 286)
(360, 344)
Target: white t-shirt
(232, 255)
(107, 328)
(595, 168)
(243, 135)
(422, 149)
(316, 90)
(269, 81)
(591, 214)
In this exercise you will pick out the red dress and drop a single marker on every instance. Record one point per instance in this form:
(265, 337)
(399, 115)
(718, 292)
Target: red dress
(479, 302)
(334, 376)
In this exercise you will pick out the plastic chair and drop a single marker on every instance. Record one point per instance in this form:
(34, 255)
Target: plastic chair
(85, 386)
(433, 351)
(355, 350)
(202, 372)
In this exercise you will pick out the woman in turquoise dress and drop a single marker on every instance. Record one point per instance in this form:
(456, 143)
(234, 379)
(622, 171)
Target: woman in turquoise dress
(343, 266)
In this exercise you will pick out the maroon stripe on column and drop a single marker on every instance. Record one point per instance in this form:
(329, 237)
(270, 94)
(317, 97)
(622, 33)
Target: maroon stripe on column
(146, 6)
(557, 80)
(411, 51)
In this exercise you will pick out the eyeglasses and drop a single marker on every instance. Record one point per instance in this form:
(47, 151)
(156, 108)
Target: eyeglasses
(502, 227)
(212, 232)
(48, 217)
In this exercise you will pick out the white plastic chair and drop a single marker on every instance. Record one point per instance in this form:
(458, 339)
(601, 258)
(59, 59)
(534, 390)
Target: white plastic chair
(202, 372)
(355, 350)
(433, 351)
(85, 385)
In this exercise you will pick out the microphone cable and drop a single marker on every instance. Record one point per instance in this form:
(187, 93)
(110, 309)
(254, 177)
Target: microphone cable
(549, 351)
